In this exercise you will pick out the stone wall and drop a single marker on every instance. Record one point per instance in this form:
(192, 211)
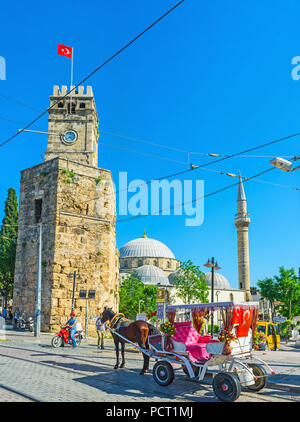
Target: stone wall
(78, 222)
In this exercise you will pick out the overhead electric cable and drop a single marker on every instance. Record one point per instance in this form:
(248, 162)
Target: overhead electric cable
(196, 199)
(94, 71)
(18, 102)
(142, 141)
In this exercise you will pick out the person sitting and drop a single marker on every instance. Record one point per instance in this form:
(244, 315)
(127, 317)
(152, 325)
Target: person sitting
(72, 323)
(100, 332)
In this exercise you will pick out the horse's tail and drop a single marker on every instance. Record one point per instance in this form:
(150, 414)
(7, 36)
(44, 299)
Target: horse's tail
(152, 329)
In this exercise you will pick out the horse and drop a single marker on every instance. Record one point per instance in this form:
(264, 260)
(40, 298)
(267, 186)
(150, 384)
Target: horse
(135, 331)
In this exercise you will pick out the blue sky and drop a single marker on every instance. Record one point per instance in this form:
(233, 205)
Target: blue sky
(212, 77)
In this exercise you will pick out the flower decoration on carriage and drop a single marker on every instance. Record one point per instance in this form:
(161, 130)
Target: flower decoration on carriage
(227, 336)
(167, 328)
(258, 337)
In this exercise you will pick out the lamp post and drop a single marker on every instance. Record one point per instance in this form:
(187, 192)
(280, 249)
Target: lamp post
(82, 295)
(38, 300)
(218, 311)
(140, 305)
(214, 266)
(74, 276)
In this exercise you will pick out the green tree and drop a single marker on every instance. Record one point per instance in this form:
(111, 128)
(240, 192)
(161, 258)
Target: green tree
(284, 288)
(268, 290)
(190, 283)
(288, 292)
(132, 291)
(8, 244)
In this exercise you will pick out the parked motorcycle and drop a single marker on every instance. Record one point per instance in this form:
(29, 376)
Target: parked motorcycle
(24, 324)
(30, 324)
(63, 337)
(21, 323)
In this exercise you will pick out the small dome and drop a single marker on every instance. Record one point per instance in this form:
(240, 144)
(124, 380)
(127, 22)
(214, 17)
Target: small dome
(150, 274)
(145, 247)
(172, 275)
(220, 282)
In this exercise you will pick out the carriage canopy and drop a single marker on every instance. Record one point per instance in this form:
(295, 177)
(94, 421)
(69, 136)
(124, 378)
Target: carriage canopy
(206, 307)
(243, 315)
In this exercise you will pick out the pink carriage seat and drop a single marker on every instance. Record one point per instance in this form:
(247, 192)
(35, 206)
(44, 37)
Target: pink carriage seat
(195, 343)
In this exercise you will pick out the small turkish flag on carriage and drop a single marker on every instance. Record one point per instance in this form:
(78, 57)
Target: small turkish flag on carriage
(236, 316)
(245, 322)
(64, 50)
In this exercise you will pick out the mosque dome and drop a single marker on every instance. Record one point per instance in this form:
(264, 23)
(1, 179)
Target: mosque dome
(150, 274)
(145, 247)
(220, 282)
(172, 275)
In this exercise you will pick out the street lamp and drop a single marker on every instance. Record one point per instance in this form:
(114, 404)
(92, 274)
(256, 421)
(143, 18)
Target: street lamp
(218, 311)
(214, 266)
(140, 305)
(283, 164)
(74, 276)
(82, 295)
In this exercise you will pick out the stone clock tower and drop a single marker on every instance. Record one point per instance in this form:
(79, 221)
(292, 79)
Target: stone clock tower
(72, 202)
(73, 130)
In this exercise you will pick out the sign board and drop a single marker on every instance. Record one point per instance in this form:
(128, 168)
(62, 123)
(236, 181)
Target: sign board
(161, 295)
(82, 294)
(160, 310)
(141, 316)
(92, 294)
(279, 318)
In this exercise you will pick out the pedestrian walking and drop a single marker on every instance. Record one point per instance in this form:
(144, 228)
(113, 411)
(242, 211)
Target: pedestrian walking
(100, 332)
(16, 317)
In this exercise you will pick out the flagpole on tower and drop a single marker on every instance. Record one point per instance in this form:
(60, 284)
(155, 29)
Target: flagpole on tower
(71, 80)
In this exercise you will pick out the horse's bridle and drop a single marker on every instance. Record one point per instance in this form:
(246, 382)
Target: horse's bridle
(109, 323)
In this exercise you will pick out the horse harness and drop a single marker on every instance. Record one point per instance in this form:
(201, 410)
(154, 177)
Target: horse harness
(119, 321)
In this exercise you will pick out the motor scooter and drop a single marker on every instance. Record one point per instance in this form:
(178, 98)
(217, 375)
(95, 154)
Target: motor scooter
(63, 337)
(24, 324)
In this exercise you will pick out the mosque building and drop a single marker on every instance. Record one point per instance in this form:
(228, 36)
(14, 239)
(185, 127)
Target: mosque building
(156, 264)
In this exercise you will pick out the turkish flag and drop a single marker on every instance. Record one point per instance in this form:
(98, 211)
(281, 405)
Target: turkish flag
(237, 315)
(64, 50)
(245, 323)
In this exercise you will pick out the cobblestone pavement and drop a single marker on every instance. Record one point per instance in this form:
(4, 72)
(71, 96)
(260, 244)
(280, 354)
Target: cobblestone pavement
(40, 373)
(9, 396)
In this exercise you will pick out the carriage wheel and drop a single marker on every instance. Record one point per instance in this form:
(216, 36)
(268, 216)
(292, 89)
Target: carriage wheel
(163, 373)
(194, 368)
(258, 371)
(227, 386)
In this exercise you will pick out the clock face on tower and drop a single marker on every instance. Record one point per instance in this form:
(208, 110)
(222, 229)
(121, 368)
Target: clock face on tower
(69, 137)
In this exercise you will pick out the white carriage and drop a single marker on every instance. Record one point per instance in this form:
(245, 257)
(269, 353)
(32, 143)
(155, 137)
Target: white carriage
(230, 365)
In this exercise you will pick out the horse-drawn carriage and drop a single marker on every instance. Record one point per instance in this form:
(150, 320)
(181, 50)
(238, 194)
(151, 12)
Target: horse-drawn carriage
(228, 360)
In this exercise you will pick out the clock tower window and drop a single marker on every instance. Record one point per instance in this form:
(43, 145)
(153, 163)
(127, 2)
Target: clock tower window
(73, 108)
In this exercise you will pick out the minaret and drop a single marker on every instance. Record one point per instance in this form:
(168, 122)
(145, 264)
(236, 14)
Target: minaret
(242, 222)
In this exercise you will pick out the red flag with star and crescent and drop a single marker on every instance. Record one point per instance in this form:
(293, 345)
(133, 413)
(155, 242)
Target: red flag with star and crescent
(64, 50)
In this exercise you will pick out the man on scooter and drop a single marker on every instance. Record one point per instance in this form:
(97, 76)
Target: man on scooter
(72, 328)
